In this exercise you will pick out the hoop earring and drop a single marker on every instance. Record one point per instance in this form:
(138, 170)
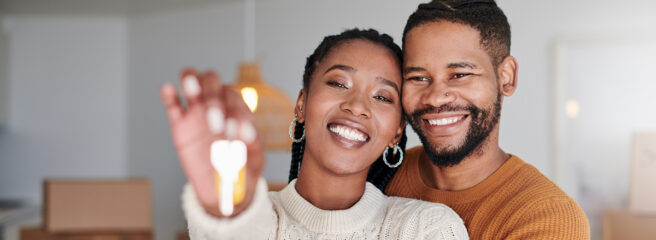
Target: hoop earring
(291, 131)
(397, 149)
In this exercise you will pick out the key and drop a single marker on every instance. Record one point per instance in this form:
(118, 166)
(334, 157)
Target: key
(228, 157)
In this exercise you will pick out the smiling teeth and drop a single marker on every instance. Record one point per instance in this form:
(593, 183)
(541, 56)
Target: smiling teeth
(349, 134)
(444, 121)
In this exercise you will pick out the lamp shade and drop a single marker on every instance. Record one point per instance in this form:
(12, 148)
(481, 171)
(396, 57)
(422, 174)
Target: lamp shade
(272, 108)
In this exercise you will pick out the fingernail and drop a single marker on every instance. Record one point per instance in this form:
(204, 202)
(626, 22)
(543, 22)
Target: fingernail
(215, 120)
(231, 128)
(191, 86)
(247, 132)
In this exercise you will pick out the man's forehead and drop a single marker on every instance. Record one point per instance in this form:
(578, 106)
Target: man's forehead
(441, 30)
(446, 44)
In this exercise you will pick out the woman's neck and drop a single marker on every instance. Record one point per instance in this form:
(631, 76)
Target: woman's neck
(329, 191)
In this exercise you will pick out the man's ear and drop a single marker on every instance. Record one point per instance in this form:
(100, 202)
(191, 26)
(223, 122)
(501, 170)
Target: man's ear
(507, 76)
(300, 104)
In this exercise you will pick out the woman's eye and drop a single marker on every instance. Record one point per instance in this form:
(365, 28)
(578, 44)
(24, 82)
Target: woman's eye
(336, 84)
(384, 99)
(417, 78)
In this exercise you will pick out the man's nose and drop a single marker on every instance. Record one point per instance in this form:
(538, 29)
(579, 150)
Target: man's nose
(438, 94)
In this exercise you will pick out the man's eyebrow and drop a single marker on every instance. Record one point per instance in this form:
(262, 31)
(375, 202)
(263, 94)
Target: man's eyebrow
(462, 65)
(414, 69)
(389, 83)
(340, 67)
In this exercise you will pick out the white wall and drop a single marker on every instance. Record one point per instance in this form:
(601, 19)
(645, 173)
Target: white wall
(66, 99)
(526, 128)
(595, 147)
(4, 63)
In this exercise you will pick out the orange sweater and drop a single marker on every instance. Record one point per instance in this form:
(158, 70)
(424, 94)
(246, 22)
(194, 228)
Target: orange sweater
(515, 202)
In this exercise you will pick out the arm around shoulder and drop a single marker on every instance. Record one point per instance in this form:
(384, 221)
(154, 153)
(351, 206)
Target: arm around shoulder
(259, 221)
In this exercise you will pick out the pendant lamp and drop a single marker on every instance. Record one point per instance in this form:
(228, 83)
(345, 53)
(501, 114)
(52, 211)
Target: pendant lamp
(272, 108)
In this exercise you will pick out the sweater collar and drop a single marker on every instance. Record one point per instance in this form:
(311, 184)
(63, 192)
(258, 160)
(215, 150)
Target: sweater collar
(368, 209)
(492, 183)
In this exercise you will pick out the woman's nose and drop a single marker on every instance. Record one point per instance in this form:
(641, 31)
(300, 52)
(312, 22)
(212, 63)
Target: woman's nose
(357, 104)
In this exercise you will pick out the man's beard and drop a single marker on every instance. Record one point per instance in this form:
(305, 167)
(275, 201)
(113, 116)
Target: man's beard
(482, 123)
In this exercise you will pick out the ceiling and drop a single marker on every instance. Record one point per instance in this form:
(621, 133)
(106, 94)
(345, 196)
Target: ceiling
(95, 7)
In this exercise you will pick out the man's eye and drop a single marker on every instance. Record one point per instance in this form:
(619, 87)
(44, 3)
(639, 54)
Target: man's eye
(336, 84)
(460, 75)
(417, 78)
(384, 99)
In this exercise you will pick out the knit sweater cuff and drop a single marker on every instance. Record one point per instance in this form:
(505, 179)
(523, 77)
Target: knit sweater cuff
(258, 221)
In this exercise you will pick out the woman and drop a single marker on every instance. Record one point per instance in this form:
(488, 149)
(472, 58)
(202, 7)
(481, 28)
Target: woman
(347, 114)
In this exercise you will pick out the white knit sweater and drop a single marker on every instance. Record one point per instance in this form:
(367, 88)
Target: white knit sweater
(287, 215)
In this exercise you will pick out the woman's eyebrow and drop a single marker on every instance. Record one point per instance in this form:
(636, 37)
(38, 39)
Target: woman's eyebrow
(340, 67)
(389, 83)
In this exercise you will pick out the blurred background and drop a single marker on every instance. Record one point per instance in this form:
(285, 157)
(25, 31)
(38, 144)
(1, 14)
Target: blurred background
(79, 83)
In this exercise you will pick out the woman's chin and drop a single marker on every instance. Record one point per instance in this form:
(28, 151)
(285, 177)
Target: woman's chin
(344, 167)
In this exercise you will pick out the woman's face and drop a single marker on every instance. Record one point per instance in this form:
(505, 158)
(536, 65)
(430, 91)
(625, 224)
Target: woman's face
(352, 109)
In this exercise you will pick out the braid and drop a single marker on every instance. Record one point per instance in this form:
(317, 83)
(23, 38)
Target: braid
(297, 151)
(379, 173)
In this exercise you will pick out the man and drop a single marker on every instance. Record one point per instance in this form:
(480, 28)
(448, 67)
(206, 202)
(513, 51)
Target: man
(457, 72)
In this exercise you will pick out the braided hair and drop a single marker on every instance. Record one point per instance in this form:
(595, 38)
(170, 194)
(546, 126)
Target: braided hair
(379, 173)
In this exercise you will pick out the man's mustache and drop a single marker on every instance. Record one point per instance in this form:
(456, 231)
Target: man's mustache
(444, 108)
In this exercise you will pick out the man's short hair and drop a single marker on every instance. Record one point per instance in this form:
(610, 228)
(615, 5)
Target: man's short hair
(482, 15)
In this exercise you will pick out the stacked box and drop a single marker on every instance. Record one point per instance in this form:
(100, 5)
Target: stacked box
(94, 210)
(622, 224)
(642, 192)
(639, 220)
(39, 233)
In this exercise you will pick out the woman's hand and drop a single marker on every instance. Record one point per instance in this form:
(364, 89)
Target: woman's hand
(214, 112)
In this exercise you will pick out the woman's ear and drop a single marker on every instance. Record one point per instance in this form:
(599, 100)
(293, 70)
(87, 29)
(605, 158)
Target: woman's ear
(399, 133)
(300, 104)
(507, 76)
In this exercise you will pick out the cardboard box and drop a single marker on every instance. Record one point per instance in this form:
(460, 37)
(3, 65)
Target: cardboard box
(642, 192)
(182, 235)
(38, 233)
(78, 206)
(277, 186)
(622, 224)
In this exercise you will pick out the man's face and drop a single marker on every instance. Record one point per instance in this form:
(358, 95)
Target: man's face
(450, 92)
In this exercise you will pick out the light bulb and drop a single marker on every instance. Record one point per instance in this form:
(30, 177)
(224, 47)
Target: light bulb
(572, 108)
(249, 95)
